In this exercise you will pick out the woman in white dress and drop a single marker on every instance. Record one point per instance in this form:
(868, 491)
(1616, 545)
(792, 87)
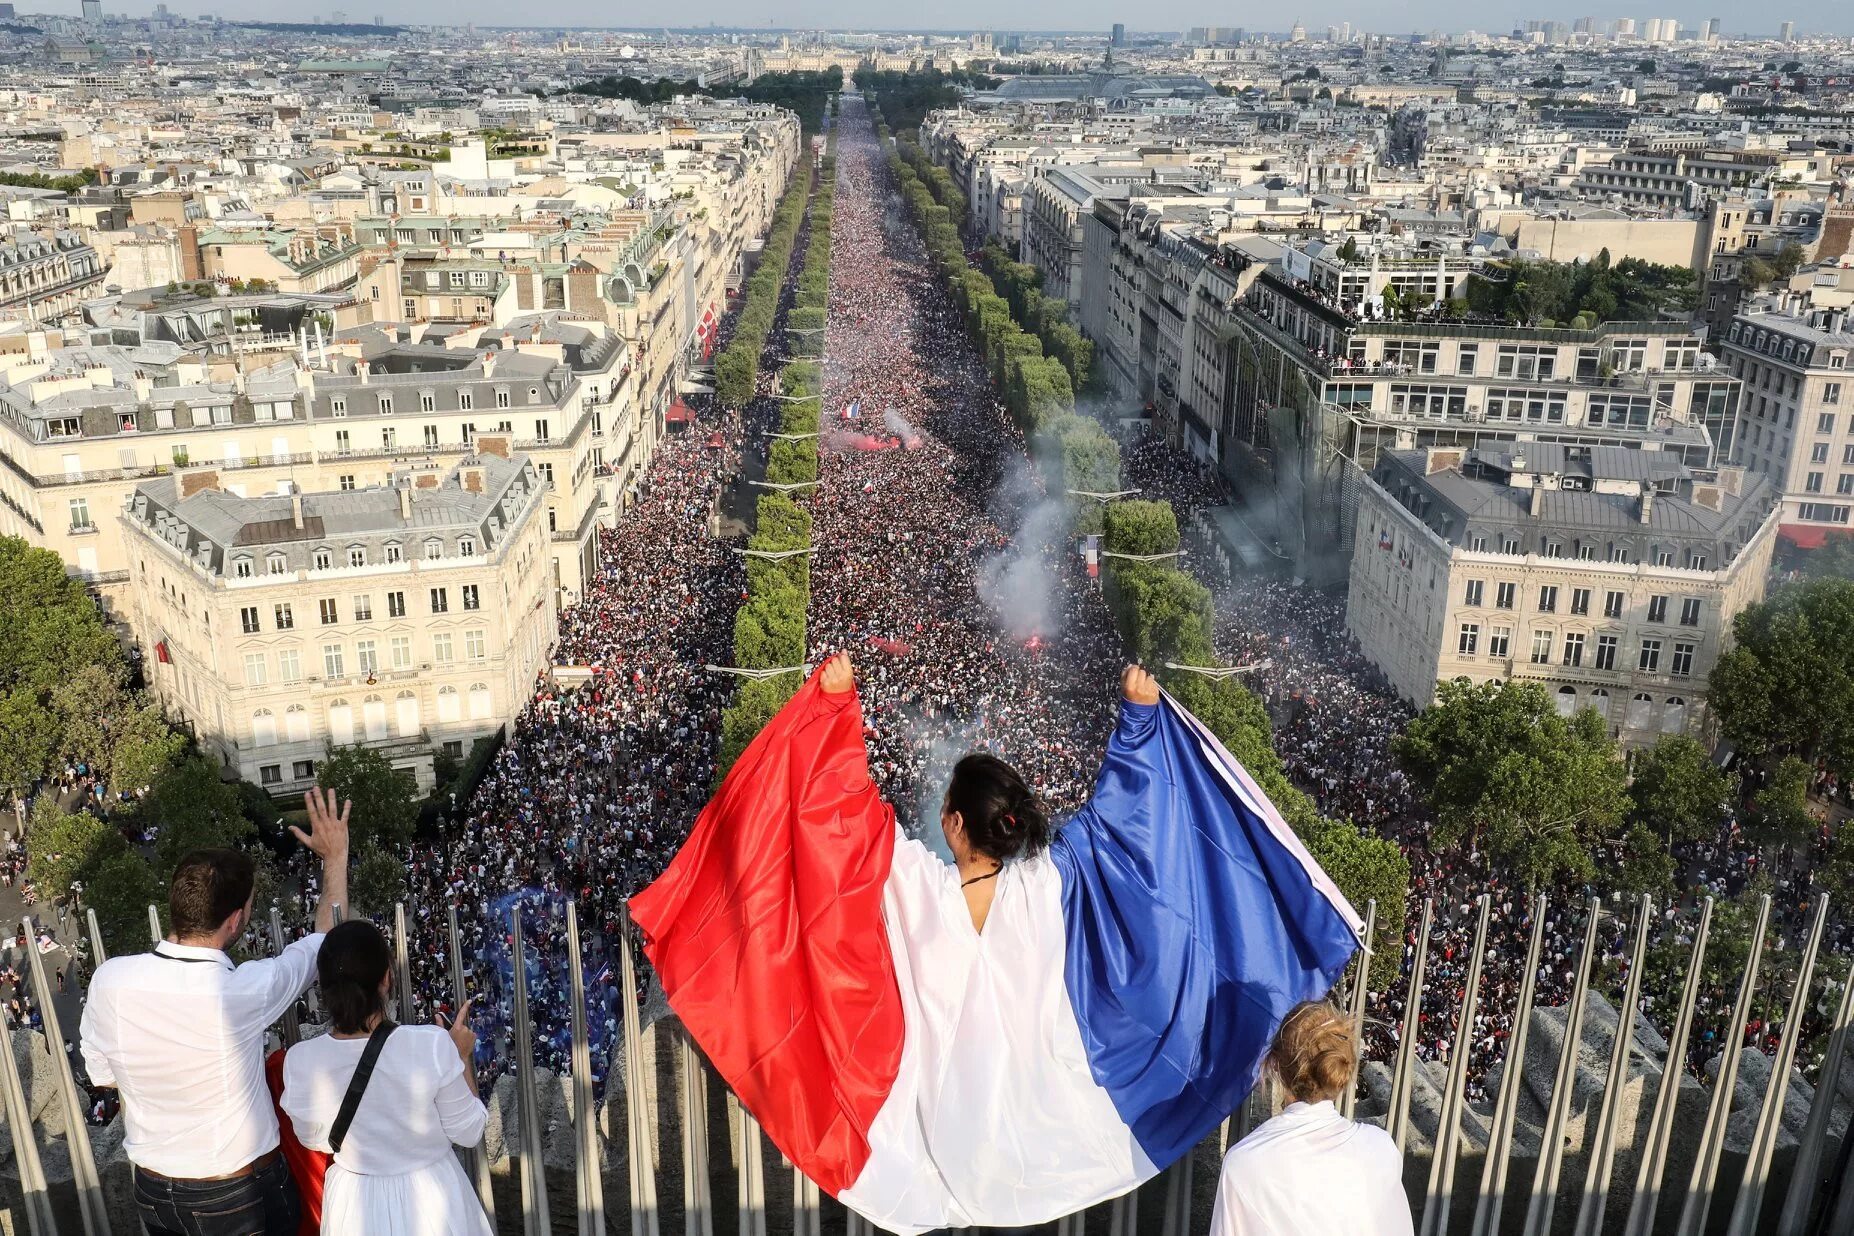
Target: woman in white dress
(1310, 1171)
(395, 1173)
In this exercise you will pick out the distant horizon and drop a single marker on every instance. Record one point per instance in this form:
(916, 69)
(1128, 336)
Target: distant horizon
(1813, 17)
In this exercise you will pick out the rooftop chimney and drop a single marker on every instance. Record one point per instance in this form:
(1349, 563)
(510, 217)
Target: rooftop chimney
(405, 499)
(1535, 505)
(1647, 507)
(198, 480)
(496, 444)
(296, 509)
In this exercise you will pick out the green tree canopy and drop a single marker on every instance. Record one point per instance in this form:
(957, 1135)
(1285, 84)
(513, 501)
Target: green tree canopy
(385, 809)
(1506, 772)
(192, 807)
(1787, 684)
(1678, 793)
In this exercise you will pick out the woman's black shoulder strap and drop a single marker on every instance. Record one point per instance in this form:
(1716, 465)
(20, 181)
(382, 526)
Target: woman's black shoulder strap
(363, 1073)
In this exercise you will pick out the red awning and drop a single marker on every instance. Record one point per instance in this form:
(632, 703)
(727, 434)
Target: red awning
(679, 413)
(1803, 536)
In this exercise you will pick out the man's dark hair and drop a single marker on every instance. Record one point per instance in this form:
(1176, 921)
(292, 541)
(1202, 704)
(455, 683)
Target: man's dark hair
(209, 886)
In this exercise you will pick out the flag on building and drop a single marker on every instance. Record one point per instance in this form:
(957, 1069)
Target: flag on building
(1116, 1009)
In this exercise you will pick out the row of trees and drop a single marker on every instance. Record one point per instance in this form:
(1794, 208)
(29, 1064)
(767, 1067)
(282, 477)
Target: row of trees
(71, 182)
(1048, 319)
(1549, 798)
(908, 97)
(769, 629)
(1036, 388)
(737, 366)
(1545, 293)
(1165, 616)
(802, 91)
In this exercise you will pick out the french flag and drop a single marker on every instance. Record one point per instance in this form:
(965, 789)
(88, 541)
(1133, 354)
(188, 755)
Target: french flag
(1115, 1009)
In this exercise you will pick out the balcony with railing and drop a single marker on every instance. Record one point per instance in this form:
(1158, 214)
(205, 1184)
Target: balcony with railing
(1581, 1129)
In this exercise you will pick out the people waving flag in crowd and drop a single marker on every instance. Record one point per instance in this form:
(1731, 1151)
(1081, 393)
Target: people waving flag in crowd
(1043, 1025)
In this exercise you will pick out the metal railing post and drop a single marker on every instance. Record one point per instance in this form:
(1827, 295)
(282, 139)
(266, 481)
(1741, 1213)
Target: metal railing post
(1649, 1176)
(1123, 1215)
(1361, 977)
(1806, 1177)
(640, 1115)
(1750, 1199)
(535, 1219)
(477, 1155)
(1705, 1179)
(292, 1026)
(90, 1208)
(698, 1212)
(154, 924)
(402, 963)
(591, 1186)
(98, 954)
(1603, 1142)
(1492, 1197)
(806, 1217)
(1178, 1182)
(750, 1164)
(1551, 1139)
(1448, 1131)
(1397, 1120)
(33, 1194)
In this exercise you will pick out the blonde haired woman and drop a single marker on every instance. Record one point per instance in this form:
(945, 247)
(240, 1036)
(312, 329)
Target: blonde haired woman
(1310, 1171)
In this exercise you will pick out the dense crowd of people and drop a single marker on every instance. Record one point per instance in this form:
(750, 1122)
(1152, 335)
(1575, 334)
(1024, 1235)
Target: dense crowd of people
(974, 624)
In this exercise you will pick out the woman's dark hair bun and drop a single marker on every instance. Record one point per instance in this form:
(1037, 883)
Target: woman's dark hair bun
(1002, 816)
(350, 968)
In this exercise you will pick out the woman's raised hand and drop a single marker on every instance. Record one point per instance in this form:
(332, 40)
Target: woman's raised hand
(1137, 685)
(838, 674)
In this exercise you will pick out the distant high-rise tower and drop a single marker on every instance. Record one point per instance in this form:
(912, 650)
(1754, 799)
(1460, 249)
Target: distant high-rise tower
(1625, 27)
(1120, 34)
(1786, 32)
(93, 10)
(1582, 25)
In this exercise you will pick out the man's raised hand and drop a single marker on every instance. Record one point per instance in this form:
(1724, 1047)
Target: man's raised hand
(328, 829)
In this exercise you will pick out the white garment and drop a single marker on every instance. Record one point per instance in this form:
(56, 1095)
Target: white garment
(396, 1174)
(995, 1111)
(1312, 1172)
(180, 1033)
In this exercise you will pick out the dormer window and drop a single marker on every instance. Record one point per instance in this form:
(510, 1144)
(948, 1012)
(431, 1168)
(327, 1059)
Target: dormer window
(276, 564)
(357, 556)
(241, 568)
(392, 551)
(434, 550)
(466, 547)
(323, 559)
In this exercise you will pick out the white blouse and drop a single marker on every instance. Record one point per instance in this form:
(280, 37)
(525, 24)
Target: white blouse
(417, 1104)
(1311, 1172)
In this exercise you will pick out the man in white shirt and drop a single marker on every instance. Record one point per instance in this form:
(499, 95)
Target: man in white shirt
(180, 1033)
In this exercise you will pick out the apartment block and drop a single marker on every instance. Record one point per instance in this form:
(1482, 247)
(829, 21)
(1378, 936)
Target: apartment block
(1608, 574)
(411, 618)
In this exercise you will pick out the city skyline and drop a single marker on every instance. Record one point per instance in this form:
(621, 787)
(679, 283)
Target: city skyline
(1809, 17)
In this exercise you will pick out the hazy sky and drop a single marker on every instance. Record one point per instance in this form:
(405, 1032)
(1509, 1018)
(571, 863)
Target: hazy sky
(1379, 16)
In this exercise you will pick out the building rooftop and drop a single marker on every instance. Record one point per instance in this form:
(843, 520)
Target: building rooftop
(464, 512)
(1602, 499)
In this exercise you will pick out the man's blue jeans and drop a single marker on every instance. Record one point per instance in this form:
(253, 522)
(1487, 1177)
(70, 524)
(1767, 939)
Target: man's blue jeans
(261, 1204)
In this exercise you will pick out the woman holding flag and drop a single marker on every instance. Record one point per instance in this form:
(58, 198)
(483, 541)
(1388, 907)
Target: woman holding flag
(1001, 1043)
